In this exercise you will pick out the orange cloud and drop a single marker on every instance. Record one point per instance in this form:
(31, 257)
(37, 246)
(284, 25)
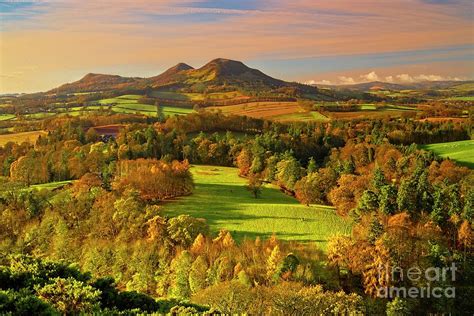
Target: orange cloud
(71, 38)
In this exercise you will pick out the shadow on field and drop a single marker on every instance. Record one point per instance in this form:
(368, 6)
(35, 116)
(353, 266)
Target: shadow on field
(232, 207)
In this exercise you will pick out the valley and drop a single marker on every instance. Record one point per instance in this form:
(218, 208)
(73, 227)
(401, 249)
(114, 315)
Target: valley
(195, 187)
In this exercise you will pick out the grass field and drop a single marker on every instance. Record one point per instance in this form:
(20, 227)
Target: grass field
(5, 117)
(221, 198)
(50, 185)
(39, 115)
(462, 152)
(460, 99)
(21, 137)
(129, 104)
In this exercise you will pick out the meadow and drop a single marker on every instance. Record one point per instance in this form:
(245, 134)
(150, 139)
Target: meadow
(5, 117)
(462, 152)
(129, 104)
(221, 198)
(50, 185)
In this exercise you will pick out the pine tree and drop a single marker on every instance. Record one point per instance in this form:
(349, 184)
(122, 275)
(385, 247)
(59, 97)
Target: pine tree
(439, 214)
(468, 211)
(406, 198)
(368, 202)
(388, 199)
(312, 167)
(159, 112)
(378, 180)
(424, 195)
(375, 230)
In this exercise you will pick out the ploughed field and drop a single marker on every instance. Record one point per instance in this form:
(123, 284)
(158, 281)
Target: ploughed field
(278, 111)
(221, 198)
(21, 137)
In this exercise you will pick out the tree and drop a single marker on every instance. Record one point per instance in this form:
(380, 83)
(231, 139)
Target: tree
(70, 296)
(388, 199)
(244, 162)
(23, 303)
(398, 307)
(254, 185)
(307, 189)
(468, 210)
(378, 180)
(273, 263)
(181, 267)
(198, 274)
(184, 229)
(312, 166)
(159, 112)
(375, 230)
(466, 237)
(230, 297)
(439, 213)
(424, 192)
(368, 202)
(406, 198)
(288, 171)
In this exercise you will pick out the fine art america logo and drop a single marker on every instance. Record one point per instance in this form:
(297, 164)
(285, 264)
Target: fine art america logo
(431, 276)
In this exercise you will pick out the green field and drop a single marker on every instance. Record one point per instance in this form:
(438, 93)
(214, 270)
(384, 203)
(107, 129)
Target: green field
(50, 185)
(129, 104)
(460, 99)
(462, 152)
(221, 198)
(302, 117)
(5, 117)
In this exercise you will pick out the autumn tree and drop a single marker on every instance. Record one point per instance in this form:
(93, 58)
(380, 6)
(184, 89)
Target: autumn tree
(254, 185)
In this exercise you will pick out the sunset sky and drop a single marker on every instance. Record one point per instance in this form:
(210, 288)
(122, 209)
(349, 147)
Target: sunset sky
(46, 43)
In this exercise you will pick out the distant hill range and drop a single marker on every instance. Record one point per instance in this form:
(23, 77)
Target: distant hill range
(217, 75)
(379, 85)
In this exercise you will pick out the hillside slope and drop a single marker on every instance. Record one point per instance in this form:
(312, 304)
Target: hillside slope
(218, 75)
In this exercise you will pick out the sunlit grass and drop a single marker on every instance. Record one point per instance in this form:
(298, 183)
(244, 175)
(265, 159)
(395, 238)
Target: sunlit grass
(221, 198)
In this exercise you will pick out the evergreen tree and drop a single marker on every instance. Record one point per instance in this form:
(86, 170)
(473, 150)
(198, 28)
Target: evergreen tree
(375, 230)
(312, 167)
(424, 195)
(468, 210)
(439, 213)
(388, 199)
(368, 202)
(406, 198)
(378, 180)
(159, 112)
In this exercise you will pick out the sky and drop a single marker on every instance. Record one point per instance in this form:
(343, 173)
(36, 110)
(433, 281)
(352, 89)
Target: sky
(44, 44)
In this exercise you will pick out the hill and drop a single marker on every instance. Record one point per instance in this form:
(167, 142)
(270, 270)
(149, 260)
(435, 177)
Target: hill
(379, 85)
(218, 75)
(96, 82)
